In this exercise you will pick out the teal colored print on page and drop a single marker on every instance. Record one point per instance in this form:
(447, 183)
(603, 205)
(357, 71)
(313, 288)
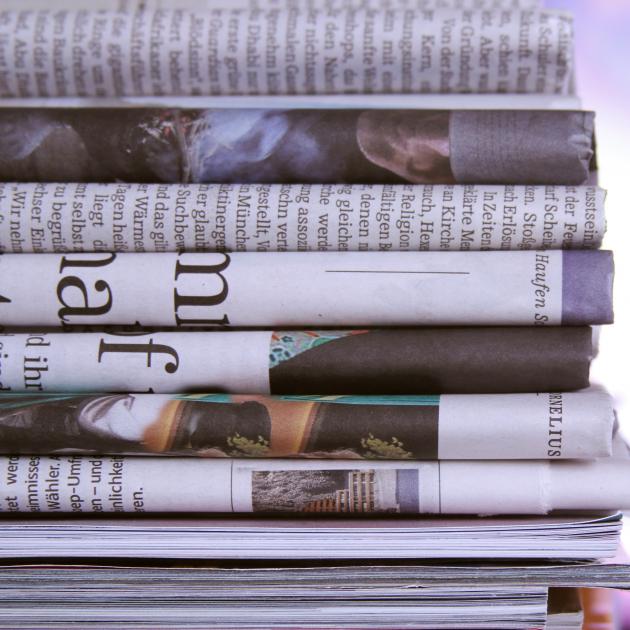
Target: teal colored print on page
(415, 401)
(208, 398)
(288, 344)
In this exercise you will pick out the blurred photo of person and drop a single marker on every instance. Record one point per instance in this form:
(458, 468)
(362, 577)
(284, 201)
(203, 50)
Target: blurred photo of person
(220, 425)
(129, 423)
(224, 145)
(412, 144)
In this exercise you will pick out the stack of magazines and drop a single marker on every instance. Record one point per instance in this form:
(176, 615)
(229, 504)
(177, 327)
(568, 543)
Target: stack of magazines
(298, 301)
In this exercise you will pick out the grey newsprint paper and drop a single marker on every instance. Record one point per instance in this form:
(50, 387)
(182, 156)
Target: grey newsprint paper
(303, 50)
(395, 361)
(383, 146)
(74, 217)
(314, 289)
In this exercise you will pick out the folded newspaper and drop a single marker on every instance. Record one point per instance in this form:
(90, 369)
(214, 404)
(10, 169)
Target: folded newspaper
(394, 361)
(570, 536)
(228, 51)
(542, 426)
(372, 577)
(125, 5)
(187, 597)
(381, 146)
(518, 102)
(431, 608)
(314, 289)
(96, 485)
(192, 595)
(54, 218)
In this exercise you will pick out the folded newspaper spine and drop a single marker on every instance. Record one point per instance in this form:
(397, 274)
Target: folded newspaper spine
(52, 218)
(126, 5)
(395, 361)
(460, 427)
(228, 51)
(95, 484)
(314, 289)
(138, 144)
(333, 4)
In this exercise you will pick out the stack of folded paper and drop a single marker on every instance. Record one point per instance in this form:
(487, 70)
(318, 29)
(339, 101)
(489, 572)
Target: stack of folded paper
(306, 283)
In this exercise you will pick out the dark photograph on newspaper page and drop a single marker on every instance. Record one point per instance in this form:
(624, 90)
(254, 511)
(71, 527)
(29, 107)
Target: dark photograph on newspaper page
(316, 427)
(221, 425)
(296, 146)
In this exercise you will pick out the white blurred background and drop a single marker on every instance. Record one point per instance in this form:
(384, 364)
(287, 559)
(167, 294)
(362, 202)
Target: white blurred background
(603, 82)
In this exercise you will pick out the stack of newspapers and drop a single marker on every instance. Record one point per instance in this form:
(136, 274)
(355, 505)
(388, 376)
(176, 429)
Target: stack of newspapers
(298, 301)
